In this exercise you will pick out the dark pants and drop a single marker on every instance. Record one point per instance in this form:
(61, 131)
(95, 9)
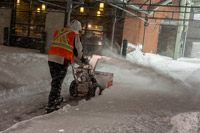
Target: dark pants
(58, 73)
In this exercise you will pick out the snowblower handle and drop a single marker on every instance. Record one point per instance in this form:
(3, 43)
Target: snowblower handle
(73, 71)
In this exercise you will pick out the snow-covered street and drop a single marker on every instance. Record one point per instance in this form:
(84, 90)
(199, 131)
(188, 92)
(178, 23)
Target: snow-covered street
(151, 94)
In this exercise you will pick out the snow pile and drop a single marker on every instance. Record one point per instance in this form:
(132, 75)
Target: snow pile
(147, 59)
(16, 61)
(194, 79)
(21, 72)
(179, 69)
(186, 123)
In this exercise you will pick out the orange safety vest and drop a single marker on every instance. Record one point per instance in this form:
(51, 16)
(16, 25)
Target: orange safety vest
(63, 44)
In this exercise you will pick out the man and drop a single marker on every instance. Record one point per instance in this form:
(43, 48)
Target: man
(66, 45)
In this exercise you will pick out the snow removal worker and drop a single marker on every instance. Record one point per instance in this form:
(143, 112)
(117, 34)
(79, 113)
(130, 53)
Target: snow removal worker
(66, 45)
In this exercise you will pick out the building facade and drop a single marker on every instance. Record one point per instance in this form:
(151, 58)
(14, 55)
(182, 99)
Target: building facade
(158, 25)
(159, 36)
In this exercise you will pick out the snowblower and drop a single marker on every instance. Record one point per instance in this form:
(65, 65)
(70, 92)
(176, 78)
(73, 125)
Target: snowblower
(88, 82)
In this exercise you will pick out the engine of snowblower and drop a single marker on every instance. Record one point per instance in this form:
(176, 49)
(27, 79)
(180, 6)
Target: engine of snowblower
(84, 83)
(87, 82)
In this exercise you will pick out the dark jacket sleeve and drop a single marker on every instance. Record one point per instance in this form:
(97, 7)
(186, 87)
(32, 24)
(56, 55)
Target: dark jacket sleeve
(78, 48)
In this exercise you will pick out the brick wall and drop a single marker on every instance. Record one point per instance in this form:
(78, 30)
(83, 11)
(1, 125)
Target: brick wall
(134, 27)
(133, 30)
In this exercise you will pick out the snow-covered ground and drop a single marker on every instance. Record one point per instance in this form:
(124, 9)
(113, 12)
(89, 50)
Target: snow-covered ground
(151, 94)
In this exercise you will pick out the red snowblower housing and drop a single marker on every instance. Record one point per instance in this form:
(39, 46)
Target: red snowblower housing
(104, 79)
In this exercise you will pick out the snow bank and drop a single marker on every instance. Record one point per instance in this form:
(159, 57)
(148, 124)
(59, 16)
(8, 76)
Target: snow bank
(194, 79)
(179, 69)
(22, 70)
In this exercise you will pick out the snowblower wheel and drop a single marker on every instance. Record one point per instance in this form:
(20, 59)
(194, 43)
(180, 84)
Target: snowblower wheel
(73, 89)
(97, 91)
(91, 92)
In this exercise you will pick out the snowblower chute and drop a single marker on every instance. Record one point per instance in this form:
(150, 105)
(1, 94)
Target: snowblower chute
(88, 82)
(104, 79)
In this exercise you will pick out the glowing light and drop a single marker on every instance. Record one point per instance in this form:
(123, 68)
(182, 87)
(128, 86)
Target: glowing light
(99, 43)
(89, 25)
(98, 13)
(81, 9)
(38, 9)
(18, 2)
(43, 7)
(96, 27)
(101, 5)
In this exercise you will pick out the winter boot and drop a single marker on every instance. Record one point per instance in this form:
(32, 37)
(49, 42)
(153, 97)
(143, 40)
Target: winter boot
(53, 105)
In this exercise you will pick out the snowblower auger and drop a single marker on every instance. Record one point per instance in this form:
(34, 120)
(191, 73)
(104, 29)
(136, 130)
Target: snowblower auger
(88, 82)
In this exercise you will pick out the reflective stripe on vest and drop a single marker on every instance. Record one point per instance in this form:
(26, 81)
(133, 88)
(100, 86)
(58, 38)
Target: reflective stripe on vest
(61, 45)
(60, 34)
(64, 39)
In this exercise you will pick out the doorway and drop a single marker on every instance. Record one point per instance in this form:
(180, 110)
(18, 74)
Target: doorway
(167, 40)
